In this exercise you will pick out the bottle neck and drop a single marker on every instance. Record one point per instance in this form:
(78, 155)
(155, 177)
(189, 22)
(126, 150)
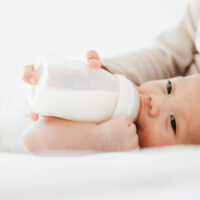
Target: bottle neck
(128, 99)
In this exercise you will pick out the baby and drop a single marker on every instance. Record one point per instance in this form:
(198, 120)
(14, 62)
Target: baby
(170, 108)
(169, 115)
(53, 133)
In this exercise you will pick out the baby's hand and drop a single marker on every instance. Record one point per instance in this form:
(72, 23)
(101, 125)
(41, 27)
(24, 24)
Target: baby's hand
(29, 76)
(119, 134)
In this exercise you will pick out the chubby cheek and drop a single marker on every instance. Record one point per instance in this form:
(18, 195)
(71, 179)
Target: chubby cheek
(148, 136)
(141, 89)
(146, 88)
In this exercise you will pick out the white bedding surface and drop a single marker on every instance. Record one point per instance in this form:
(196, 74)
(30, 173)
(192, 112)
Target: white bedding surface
(161, 173)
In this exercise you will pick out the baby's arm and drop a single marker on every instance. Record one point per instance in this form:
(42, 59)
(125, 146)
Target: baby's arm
(53, 134)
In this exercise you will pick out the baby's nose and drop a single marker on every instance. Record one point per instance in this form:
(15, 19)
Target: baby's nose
(153, 105)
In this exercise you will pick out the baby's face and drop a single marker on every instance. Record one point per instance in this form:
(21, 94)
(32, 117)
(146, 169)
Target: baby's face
(169, 111)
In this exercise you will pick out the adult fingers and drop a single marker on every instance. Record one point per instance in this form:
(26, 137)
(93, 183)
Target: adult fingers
(93, 59)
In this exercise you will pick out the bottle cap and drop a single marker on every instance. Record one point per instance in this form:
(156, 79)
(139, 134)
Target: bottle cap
(128, 100)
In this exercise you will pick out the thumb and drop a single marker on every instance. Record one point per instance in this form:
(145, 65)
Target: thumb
(93, 59)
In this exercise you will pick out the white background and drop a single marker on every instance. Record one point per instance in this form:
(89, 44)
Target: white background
(30, 28)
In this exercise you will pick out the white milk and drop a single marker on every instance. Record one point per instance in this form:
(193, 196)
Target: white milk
(93, 106)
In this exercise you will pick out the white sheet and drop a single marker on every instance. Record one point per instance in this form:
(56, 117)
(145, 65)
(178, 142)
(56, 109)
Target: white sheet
(162, 173)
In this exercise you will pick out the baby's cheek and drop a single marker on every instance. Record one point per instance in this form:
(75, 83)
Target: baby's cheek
(141, 89)
(148, 136)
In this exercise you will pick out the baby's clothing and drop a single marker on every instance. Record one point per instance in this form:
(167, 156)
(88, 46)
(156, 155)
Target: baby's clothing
(174, 52)
(13, 119)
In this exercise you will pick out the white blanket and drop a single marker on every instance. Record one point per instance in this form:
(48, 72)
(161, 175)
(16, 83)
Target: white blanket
(161, 173)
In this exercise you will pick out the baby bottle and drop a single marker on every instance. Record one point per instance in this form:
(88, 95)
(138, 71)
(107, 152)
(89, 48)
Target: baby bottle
(71, 90)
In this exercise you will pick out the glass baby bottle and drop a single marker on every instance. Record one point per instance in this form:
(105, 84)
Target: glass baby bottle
(71, 90)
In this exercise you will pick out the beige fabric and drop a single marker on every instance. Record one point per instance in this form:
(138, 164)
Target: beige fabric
(173, 53)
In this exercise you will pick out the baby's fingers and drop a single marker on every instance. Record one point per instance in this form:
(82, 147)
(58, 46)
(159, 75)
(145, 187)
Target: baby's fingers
(93, 59)
(45, 116)
(135, 145)
(135, 138)
(33, 116)
(29, 75)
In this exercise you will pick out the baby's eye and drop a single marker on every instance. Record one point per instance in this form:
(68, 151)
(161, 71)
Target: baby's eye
(169, 87)
(173, 124)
